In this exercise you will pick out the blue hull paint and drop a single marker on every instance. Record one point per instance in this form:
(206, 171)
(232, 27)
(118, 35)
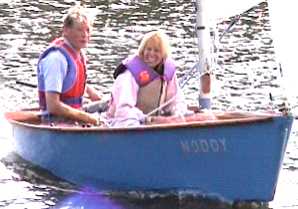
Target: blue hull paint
(236, 161)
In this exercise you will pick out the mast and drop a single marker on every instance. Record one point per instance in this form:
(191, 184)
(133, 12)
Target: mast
(204, 46)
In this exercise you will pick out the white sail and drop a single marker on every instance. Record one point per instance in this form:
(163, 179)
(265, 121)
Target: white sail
(283, 17)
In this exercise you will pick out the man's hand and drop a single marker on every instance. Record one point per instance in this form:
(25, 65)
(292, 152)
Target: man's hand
(92, 120)
(92, 93)
(58, 108)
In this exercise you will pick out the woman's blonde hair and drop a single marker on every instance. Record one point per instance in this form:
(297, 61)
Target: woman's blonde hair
(157, 37)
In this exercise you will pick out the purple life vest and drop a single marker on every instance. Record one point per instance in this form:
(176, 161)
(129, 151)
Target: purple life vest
(144, 74)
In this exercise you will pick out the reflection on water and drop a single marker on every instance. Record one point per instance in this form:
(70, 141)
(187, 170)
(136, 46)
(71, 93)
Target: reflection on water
(245, 74)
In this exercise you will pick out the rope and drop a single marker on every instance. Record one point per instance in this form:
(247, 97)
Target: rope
(182, 83)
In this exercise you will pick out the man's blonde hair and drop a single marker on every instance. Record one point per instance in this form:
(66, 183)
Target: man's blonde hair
(77, 14)
(157, 37)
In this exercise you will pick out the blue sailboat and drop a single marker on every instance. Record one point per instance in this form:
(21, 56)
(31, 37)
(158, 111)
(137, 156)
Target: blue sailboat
(236, 156)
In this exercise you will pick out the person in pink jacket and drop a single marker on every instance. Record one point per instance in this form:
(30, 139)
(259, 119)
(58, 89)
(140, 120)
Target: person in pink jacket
(146, 84)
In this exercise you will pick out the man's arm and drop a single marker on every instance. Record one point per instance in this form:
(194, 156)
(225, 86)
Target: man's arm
(56, 107)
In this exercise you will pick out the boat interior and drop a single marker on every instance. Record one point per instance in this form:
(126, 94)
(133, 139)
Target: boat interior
(32, 117)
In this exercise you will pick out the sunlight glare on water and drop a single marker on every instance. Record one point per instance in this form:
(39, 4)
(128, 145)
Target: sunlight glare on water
(88, 201)
(236, 7)
(283, 17)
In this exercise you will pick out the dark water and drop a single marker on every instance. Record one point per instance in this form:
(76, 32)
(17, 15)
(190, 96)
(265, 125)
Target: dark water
(245, 73)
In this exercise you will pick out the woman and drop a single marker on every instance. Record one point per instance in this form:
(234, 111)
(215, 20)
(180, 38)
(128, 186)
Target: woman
(146, 82)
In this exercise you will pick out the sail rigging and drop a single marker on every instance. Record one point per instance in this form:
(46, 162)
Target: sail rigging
(224, 9)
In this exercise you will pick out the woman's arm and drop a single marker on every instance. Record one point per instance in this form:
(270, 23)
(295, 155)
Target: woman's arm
(123, 108)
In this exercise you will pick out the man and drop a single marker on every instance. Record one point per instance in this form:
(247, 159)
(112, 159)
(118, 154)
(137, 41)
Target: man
(62, 71)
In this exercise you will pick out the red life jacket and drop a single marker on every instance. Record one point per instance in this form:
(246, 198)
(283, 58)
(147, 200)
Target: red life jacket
(74, 81)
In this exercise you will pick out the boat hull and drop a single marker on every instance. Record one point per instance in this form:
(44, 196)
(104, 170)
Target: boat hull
(234, 161)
